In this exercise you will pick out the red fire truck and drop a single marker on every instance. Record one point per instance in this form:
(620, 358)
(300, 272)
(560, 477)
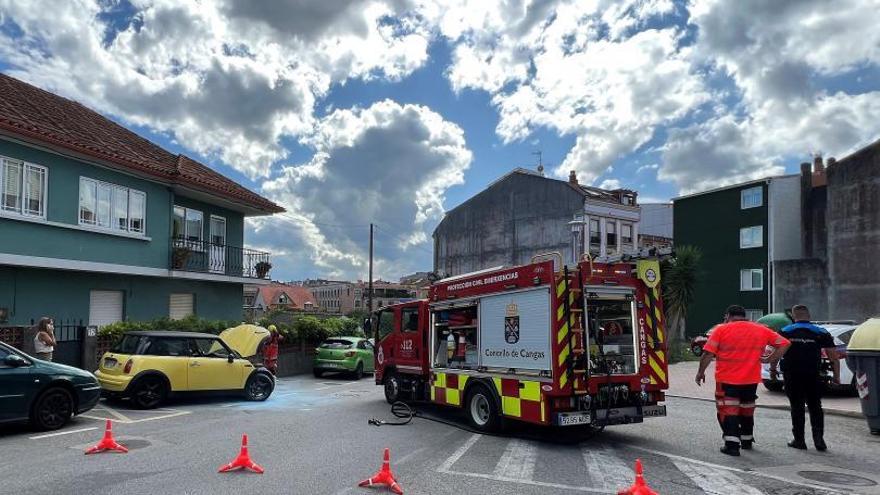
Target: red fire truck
(579, 345)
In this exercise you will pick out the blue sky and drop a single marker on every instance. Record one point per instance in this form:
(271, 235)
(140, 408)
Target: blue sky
(393, 111)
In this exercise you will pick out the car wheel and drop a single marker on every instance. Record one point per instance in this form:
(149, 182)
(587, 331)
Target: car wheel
(318, 373)
(359, 371)
(259, 387)
(52, 409)
(149, 392)
(481, 409)
(392, 388)
(774, 386)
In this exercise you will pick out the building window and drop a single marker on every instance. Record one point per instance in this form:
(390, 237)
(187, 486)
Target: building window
(754, 314)
(180, 306)
(626, 234)
(751, 237)
(752, 197)
(187, 224)
(595, 236)
(111, 207)
(751, 279)
(610, 237)
(23, 188)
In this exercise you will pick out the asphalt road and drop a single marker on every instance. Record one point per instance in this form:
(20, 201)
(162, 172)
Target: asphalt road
(312, 437)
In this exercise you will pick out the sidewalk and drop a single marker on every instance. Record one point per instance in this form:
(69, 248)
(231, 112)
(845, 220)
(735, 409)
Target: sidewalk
(681, 384)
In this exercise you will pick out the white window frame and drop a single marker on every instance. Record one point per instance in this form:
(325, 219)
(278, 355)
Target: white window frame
(195, 245)
(747, 193)
(747, 241)
(750, 287)
(112, 224)
(754, 314)
(25, 168)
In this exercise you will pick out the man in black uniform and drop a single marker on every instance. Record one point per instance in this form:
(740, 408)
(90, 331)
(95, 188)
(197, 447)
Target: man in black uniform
(801, 371)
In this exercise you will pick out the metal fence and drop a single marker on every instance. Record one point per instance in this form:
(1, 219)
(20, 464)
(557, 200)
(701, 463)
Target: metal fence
(208, 257)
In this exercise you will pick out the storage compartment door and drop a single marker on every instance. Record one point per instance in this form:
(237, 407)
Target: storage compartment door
(515, 330)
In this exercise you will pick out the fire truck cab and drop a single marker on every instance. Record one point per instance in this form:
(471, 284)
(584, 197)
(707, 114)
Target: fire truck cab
(541, 343)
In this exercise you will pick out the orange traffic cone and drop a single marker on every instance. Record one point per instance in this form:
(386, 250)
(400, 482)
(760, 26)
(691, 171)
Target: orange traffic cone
(640, 487)
(107, 443)
(384, 476)
(242, 461)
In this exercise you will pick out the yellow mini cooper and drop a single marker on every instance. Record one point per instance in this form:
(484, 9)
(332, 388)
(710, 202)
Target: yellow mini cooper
(147, 367)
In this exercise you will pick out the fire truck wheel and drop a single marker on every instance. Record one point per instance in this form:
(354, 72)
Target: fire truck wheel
(392, 388)
(481, 409)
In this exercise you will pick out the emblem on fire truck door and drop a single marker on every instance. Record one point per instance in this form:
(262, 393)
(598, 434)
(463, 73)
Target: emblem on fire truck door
(511, 324)
(380, 356)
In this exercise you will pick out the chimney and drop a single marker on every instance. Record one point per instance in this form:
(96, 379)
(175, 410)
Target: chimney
(819, 178)
(572, 178)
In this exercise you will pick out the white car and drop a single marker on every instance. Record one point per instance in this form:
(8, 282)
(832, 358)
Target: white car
(842, 332)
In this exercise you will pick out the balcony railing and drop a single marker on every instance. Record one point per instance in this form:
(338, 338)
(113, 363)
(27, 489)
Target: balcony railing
(221, 259)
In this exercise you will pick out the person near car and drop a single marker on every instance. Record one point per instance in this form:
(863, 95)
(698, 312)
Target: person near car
(44, 340)
(801, 374)
(738, 347)
(270, 351)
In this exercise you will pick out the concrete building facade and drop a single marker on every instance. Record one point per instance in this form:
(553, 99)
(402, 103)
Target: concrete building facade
(525, 213)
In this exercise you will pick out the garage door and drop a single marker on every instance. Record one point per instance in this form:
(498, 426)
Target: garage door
(180, 306)
(105, 307)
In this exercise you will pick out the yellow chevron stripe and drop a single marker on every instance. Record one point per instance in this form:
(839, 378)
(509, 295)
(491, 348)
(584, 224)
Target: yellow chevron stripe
(563, 379)
(657, 368)
(564, 354)
(560, 288)
(653, 380)
(560, 312)
(563, 332)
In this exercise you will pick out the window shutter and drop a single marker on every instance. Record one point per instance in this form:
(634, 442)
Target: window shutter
(105, 307)
(180, 306)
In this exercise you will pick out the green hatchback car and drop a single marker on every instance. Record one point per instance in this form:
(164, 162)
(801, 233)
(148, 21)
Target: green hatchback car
(347, 354)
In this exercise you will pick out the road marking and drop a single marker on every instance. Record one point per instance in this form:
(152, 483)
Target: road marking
(409, 456)
(715, 481)
(736, 470)
(118, 415)
(518, 460)
(460, 452)
(47, 435)
(121, 418)
(605, 469)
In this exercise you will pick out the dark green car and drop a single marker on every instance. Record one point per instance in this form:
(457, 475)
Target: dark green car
(347, 354)
(45, 394)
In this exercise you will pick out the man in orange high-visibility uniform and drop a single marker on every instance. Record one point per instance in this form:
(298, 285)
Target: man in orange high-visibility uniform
(738, 346)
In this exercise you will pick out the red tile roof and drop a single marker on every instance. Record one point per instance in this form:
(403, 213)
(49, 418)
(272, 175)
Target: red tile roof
(35, 114)
(299, 296)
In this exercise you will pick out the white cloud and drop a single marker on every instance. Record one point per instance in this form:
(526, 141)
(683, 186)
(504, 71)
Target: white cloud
(644, 168)
(775, 53)
(581, 68)
(611, 184)
(225, 78)
(388, 163)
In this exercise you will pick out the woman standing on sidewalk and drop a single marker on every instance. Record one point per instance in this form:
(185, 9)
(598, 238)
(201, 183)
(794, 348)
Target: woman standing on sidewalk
(44, 341)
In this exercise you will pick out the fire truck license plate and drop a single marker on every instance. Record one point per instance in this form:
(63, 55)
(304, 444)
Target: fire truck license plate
(571, 419)
(653, 411)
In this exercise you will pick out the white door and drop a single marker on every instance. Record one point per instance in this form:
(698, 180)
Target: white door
(180, 306)
(217, 246)
(105, 307)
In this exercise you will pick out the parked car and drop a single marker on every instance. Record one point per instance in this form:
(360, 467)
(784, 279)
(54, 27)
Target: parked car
(842, 332)
(45, 394)
(348, 354)
(147, 367)
(699, 341)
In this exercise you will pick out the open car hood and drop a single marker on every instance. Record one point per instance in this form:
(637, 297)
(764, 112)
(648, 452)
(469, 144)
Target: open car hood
(245, 339)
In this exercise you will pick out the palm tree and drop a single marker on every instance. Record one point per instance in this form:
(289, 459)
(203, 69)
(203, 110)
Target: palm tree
(679, 280)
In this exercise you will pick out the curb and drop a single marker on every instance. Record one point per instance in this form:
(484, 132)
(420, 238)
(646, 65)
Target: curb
(831, 411)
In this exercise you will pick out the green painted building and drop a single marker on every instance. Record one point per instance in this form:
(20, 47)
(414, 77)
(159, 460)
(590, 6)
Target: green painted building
(741, 230)
(98, 224)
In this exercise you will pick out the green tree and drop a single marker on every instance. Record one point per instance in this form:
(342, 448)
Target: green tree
(679, 279)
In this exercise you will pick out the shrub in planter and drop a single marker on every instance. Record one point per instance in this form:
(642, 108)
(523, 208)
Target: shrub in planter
(179, 257)
(262, 268)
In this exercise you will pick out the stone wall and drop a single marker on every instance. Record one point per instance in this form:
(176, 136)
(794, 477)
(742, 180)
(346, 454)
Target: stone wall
(853, 225)
(802, 281)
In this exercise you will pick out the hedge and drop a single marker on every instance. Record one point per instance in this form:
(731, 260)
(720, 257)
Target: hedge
(188, 324)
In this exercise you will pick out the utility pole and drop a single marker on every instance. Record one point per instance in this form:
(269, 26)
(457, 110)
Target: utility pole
(370, 280)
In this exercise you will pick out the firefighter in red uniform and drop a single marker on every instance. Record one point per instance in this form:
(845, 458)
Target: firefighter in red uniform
(738, 346)
(270, 351)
